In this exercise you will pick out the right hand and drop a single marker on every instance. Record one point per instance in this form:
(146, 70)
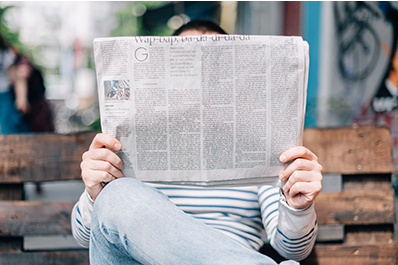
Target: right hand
(100, 164)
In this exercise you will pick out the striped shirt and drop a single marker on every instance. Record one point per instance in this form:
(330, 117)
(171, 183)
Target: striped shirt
(240, 212)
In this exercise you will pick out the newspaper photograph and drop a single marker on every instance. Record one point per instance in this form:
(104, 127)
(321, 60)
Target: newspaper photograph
(203, 110)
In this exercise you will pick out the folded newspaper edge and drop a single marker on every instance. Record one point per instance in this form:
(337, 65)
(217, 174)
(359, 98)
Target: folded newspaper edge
(210, 110)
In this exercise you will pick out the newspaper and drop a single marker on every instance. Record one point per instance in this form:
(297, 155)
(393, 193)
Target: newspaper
(203, 110)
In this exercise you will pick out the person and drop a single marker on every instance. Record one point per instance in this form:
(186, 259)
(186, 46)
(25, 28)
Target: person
(127, 221)
(37, 110)
(13, 102)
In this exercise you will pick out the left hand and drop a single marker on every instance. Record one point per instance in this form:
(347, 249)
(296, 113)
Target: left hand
(303, 175)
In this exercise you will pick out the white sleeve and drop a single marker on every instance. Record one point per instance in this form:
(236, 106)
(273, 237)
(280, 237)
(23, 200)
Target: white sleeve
(81, 220)
(291, 232)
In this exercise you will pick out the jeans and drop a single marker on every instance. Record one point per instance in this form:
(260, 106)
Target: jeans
(133, 223)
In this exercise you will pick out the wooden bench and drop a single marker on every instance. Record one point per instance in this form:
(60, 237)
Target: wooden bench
(356, 220)
(31, 158)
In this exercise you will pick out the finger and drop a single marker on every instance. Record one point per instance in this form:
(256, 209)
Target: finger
(97, 177)
(88, 165)
(297, 152)
(104, 154)
(295, 177)
(302, 176)
(108, 168)
(102, 140)
(309, 190)
(300, 164)
(95, 172)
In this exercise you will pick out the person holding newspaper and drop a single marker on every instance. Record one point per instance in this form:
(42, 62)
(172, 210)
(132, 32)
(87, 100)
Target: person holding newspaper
(126, 221)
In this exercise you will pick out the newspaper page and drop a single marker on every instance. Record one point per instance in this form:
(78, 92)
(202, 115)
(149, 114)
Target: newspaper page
(203, 110)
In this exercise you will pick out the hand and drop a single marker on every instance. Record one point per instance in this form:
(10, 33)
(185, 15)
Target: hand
(22, 104)
(303, 175)
(100, 164)
(19, 75)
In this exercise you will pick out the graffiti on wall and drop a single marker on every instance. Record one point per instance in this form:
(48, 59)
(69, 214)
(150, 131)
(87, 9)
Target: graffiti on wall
(365, 34)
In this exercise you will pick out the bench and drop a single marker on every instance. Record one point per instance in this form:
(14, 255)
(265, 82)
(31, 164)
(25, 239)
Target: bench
(37, 158)
(356, 219)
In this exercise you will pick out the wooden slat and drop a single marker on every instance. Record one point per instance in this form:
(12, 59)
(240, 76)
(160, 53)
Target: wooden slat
(51, 257)
(359, 150)
(18, 218)
(348, 208)
(11, 244)
(356, 207)
(373, 234)
(340, 254)
(380, 254)
(367, 182)
(341, 150)
(10, 192)
(41, 157)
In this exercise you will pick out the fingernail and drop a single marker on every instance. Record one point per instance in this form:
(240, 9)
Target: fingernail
(282, 158)
(281, 177)
(118, 146)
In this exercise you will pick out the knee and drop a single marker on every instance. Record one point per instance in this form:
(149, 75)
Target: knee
(118, 190)
(121, 196)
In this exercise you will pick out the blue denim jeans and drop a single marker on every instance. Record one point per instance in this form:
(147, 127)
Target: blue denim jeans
(133, 223)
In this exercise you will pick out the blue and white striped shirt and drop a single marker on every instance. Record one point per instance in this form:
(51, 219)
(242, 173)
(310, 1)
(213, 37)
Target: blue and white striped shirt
(240, 212)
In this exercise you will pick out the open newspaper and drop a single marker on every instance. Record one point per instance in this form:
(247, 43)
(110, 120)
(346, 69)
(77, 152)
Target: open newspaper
(203, 110)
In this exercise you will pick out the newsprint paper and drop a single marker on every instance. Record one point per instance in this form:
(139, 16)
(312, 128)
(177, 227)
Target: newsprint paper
(203, 110)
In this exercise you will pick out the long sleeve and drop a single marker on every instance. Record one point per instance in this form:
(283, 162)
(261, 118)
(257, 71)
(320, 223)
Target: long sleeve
(81, 220)
(291, 232)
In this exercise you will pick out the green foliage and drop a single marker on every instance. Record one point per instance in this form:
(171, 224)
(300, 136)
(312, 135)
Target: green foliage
(11, 37)
(130, 25)
(95, 126)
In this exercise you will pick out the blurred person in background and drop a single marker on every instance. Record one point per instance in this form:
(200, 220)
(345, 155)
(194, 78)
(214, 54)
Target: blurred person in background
(28, 81)
(13, 92)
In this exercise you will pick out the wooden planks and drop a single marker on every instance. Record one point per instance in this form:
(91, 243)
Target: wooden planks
(372, 234)
(356, 207)
(78, 257)
(366, 205)
(367, 182)
(11, 192)
(10, 245)
(378, 254)
(18, 218)
(344, 150)
(340, 254)
(360, 150)
(41, 157)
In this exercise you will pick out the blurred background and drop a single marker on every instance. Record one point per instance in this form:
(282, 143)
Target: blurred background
(347, 59)
(353, 51)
